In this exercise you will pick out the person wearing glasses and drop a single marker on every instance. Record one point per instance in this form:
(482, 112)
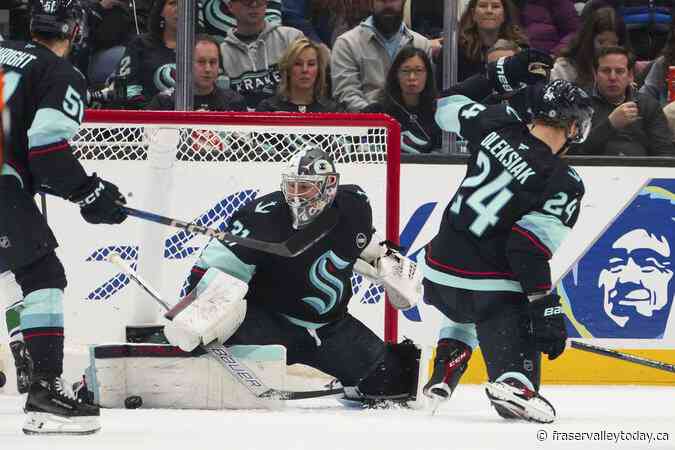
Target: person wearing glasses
(362, 56)
(251, 51)
(409, 96)
(215, 18)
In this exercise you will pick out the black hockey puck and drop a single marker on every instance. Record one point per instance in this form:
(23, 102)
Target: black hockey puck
(133, 402)
(3, 379)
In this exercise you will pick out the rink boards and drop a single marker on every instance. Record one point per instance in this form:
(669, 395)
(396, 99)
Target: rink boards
(616, 281)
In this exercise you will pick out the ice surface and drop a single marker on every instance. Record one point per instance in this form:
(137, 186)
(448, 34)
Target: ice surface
(465, 422)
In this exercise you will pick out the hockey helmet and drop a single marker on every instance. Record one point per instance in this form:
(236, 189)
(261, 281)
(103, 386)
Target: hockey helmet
(309, 184)
(59, 18)
(560, 103)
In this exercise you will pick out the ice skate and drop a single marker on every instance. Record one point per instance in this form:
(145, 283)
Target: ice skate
(450, 363)
(51, 408)
(513, 400)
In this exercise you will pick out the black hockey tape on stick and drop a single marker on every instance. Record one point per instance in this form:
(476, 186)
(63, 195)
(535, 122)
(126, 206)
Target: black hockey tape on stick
(222, 355)
(295, 245)
(623, 356)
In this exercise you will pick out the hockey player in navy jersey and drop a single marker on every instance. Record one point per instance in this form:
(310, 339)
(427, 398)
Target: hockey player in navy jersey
(302, 302)
(487, 270)
(43, 100)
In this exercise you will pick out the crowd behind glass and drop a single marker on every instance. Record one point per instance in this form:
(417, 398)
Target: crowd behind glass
(383, 56)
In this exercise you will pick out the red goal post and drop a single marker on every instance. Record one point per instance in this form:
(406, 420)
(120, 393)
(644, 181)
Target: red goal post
(177, 143)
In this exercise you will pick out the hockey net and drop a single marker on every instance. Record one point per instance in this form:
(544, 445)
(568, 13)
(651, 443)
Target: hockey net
(203, 166)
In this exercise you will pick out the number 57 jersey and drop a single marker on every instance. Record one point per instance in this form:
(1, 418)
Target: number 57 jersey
(514, 207)
(45, 97)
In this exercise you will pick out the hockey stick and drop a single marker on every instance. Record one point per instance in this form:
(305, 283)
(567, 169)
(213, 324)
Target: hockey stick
(295, 245)
(222, 355)
(623, 356)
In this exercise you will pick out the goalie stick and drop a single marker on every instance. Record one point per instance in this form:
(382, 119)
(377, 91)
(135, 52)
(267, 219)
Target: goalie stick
(222, 355)
(623, 356)
(295, 245)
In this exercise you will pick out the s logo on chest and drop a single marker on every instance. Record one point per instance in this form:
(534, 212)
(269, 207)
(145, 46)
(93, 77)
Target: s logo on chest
(328, 285)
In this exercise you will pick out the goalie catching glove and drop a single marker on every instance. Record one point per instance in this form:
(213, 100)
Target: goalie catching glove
(214, 310)
(401, 277)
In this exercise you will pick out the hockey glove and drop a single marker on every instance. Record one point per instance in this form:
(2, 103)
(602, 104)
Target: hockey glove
(99, 201)
(548, 325)
(401, 277)
(530, 66)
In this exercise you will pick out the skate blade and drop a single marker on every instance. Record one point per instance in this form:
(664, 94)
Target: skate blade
(534, 409)
(49, 424)
(437, 393)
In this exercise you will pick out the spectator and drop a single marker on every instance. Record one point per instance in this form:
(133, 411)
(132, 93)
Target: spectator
(625, 123)
(410, 97)
(656, 81)
(106, 24)
(109, 23)
(332, 18)
(362, 56)
(216, 18)
(149, 63)
(297, 14)
(427, 17)
(647, 22)
(207, 96)
(252, 50)
(481, 24)
(19, 20)
(549, 24)
(303, 86)
(601, 28)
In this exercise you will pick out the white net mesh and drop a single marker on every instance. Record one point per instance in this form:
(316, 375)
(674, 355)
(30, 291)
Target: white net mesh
(233, 143)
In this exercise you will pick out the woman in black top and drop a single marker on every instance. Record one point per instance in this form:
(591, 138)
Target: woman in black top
(410, 97)
(303, 86)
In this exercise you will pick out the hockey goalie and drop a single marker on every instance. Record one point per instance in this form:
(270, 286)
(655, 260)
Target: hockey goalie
(272, 311)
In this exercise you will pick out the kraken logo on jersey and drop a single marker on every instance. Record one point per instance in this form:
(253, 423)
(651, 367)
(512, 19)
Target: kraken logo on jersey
(329, 285)
(214, 14)
(264, 80)
(165, 77)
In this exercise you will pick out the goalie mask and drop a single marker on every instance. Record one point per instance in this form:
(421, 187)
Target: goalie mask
(309, 185)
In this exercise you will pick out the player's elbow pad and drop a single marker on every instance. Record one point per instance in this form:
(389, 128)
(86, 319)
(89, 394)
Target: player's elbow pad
(56, 170)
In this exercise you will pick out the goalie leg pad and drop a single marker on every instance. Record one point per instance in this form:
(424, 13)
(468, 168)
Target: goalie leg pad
(163, 376)
(213, 310)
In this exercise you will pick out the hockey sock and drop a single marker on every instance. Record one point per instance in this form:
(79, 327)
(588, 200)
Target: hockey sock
(42, 327)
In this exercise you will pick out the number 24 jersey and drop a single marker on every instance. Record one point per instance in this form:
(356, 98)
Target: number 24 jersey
(512, 210)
